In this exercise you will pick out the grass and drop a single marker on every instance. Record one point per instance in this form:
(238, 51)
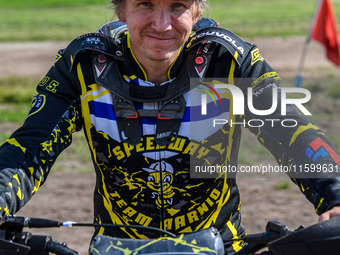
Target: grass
(15, 89)
(4, 137)
(13, 113)
(35, 20)
(264, 18)
(334, 91)
(282, 185)
(50, 20)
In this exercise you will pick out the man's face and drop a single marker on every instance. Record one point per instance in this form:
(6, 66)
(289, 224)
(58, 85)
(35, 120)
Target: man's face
(158, 28)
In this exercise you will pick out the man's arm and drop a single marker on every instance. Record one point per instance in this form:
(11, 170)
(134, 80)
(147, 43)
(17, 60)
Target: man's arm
(28, 155)
(298, 144)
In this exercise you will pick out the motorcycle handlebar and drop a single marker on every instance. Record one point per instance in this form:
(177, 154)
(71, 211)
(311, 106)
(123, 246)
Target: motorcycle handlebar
(41, 245)
(13, 226)
(59, 249)
(21, 222)
(262, 238)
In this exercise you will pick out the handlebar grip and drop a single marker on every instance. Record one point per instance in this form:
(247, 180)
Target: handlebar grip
(59, 249)
(264, 238)
(41, 245)
(37, 243)
(42, 223)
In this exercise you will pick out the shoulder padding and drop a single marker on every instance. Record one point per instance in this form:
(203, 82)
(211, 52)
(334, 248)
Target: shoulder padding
(113, 28)
(238, 48)
(89, 43)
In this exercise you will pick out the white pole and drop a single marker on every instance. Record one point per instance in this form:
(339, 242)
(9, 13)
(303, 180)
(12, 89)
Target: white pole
(299, 77)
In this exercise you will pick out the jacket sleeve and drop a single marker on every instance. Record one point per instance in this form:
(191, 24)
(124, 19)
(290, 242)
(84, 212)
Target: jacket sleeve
(291, 137)
(28, 155)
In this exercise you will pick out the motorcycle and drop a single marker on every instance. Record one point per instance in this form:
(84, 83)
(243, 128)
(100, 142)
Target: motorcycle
(318, 239)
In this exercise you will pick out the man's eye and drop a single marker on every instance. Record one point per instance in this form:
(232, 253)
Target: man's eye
(146, 4)
(178, 5)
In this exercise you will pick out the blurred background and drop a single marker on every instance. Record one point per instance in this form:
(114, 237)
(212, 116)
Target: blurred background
(62, 20)
(32, 31)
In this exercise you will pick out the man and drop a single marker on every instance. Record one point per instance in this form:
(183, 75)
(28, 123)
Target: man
(130, 93)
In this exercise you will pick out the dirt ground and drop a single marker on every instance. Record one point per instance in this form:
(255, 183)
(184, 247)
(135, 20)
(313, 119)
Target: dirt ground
(68, 196)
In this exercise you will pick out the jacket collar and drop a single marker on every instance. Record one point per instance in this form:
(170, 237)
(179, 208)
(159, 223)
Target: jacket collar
(133, 70)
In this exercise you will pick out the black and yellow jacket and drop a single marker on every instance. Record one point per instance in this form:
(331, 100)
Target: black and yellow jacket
(145, 182)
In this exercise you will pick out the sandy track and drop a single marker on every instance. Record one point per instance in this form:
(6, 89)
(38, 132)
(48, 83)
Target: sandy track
(283, 54)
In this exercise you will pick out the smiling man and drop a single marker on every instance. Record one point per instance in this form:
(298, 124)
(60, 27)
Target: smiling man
(132, 88)
(158, 30)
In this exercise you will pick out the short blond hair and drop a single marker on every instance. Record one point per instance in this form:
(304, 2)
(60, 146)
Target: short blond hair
(202, 6)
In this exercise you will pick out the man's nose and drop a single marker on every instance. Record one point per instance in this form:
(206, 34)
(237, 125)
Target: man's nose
(162, 20)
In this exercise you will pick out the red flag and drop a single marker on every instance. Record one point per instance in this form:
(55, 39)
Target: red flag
(325, 30)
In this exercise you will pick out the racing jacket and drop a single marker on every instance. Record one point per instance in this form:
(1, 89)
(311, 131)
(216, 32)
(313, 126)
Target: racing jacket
(147, 181)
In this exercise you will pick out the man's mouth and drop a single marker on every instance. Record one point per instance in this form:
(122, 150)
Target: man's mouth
(159, 38)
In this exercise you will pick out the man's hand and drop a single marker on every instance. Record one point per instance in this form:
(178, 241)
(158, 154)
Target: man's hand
(334, 212)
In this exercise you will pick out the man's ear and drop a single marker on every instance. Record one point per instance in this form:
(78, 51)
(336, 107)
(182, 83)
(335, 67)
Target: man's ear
(196, 19)
(121, 15)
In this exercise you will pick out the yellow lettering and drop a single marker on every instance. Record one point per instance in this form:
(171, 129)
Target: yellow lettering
(215, 194)
(128, 148)
(160, 147)
(121, 203)
(150, 143)
(129, 211)
(191, 148)
(115, 194)
(209, 202)
(192, 216)
(118, 152)
(139, 147)
(143, 219)
(44, 81)
(202, 209)
(177, 145)
(179, 222)
(52, 86)
(202, 152)
(167, 224)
